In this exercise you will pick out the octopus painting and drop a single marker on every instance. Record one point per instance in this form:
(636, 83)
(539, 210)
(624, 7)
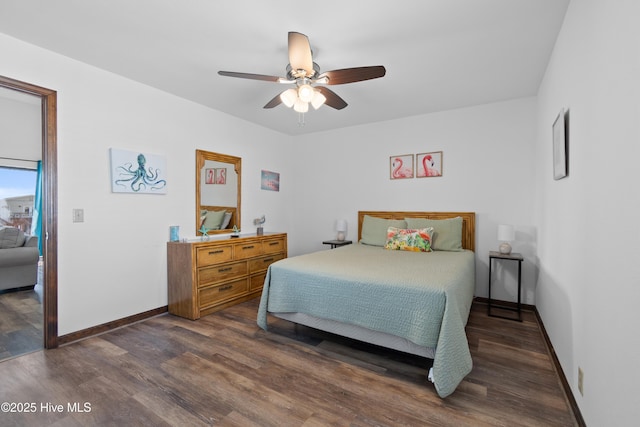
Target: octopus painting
(140, 179)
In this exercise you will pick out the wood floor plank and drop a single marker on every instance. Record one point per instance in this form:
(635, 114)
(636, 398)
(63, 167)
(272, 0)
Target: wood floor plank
(223, 370)
(247, 397)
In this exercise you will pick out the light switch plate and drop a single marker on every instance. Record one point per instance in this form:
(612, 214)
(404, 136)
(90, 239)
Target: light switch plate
(78, 215)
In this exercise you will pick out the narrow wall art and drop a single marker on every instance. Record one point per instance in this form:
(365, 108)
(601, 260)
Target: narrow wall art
(136, 172)
(210, 176)
(560, 169)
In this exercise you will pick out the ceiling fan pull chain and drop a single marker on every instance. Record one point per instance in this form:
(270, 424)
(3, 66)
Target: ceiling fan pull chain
(301, 119)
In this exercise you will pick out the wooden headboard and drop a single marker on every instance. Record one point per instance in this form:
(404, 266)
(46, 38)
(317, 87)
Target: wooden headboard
(468, 222)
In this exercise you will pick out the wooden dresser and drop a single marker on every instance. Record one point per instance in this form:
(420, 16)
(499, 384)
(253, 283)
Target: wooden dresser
(207, 276)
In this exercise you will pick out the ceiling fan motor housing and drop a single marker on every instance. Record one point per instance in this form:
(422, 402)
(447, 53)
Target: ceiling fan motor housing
(297, 74)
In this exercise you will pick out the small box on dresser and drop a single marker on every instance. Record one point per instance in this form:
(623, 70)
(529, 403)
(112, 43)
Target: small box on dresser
(207, 276)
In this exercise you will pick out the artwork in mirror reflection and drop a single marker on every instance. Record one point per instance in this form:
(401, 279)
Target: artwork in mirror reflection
(216, 176)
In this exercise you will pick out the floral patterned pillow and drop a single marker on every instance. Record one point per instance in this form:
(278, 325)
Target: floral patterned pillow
(409, 239)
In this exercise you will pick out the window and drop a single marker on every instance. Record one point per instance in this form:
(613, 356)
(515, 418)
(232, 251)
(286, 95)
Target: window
(17, 196)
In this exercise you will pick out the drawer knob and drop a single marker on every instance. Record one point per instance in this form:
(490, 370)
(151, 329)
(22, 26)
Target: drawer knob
(225, 288)
(274, 243)
(248, 247)
(267, 260)
(222, 270)
(219, 251)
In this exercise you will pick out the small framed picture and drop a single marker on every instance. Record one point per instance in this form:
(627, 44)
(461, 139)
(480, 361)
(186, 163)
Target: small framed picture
(429, 164)
(210, 176)
(401, 167)
(559, 147)
(270, 181)
(215, 176)
(221, 176)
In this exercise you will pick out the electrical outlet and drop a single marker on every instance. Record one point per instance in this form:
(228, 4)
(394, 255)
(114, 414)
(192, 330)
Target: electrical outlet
(580, 381)
(78, 215)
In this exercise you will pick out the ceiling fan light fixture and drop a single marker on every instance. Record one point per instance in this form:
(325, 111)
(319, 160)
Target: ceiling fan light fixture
(289, 97)
(305, 92)
(305, 75)
(318, 100)
(300, 106)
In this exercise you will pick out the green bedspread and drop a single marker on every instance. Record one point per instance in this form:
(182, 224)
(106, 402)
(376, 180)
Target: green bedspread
(423, 297)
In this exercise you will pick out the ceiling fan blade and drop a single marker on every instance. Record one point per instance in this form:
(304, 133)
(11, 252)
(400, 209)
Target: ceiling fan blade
(300, 57)
(250, 76)
(333, 100)
(352, 75)
(274, 102)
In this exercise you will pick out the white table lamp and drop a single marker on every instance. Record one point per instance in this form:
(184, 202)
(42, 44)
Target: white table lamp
(506, 234)
(341, 228)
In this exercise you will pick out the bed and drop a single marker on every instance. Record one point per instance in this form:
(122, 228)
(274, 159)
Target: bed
(408, 300)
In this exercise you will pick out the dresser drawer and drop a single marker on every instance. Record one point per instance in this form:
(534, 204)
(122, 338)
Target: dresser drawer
(247, 250)
(273, 246)
(213, 255)
(263, 263)
(257, 281)
(219, 273)
(224, 291)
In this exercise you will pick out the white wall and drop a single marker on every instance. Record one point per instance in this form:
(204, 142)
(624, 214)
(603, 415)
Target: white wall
(21, 136)
(487, 168)
(114, 264)
(589, 283)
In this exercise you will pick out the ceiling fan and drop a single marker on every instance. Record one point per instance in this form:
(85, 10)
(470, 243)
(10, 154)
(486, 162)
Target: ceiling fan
(305, 73)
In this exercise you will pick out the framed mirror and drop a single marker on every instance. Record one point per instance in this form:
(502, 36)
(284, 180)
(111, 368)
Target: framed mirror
(217, 192)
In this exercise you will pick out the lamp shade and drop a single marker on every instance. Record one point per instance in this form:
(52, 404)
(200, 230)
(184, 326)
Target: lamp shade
(506, 233)
(318, 100)
(288, 97)
(305, 93)
(341, 228)
(300, 106)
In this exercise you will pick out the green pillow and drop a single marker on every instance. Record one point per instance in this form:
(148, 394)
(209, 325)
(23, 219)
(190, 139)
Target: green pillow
(374, 230)
(213, 220)
(447, 233)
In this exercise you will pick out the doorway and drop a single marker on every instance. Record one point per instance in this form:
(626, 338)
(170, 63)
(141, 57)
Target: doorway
(49, 222)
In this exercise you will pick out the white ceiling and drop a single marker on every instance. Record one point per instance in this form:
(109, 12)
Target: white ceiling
(439, 54)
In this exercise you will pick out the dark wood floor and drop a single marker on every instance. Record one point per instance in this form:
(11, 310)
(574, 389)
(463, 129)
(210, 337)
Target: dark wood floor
(224, 370)
(21, 322)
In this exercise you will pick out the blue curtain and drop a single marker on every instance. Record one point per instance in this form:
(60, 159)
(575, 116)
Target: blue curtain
(36, 219)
